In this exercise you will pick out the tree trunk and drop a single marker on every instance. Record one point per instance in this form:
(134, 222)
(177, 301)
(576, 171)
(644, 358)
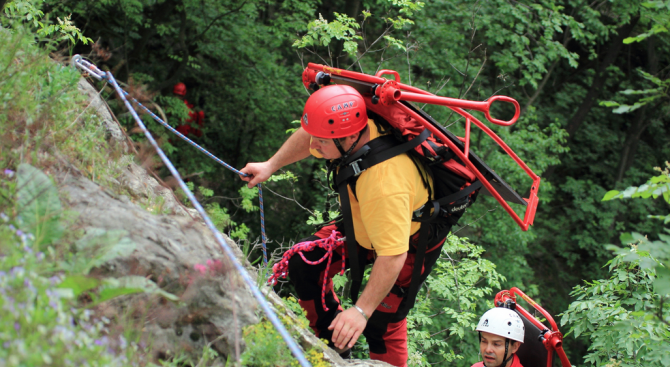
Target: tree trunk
(164, 11)
(178, 68)
(598, 82)
(351, 9)
(640, 124)
(600, 77)
(630, 145)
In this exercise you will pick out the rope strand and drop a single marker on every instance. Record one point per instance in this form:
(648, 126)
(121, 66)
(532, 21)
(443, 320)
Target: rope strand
(330, 243)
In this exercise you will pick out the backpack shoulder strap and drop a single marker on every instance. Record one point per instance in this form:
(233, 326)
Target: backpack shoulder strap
(380, 150)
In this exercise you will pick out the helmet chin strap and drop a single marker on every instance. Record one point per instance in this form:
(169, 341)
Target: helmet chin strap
(505, 357)
(346, 154)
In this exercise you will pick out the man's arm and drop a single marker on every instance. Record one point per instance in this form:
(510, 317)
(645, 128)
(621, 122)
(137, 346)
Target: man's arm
(349, 325)
(295, 148)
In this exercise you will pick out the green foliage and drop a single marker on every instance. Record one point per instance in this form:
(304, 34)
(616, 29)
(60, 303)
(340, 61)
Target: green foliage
(618, 314)
(657, 93)
(37, 321)
(656, 186)
(321, 32)
(266, 348)
(631, 305)
(29, 10)
(44, 262)
(209, 357)
(656, 13)
(223, 222)
(38, 204)
(248, 196)
(344, 28)
(237, 60)
(175, 108)
(114, 287)
(320, 218)
(41, 325)
(292, 304)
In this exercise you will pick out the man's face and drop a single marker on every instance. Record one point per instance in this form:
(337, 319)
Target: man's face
(327, 147)
(492, 348)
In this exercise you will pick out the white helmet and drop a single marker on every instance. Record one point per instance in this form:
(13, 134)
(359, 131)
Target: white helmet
(502, 322)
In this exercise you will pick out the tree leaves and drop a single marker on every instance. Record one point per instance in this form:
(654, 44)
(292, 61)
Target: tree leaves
(38, 204)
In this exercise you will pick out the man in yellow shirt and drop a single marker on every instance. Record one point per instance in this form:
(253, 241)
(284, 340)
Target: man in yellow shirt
(335, 126)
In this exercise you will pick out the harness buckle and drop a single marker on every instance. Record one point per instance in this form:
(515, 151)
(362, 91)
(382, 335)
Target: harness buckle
(356, 168)
(418, 213)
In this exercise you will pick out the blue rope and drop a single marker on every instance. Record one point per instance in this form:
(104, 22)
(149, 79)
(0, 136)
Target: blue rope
(264, 239)
(100, 75)
(295, 349)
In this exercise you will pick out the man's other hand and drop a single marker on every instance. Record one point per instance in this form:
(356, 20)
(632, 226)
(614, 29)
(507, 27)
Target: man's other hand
(347, 327)
(257, 173)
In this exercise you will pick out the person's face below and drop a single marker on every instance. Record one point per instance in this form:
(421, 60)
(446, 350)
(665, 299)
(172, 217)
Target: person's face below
(492, 348)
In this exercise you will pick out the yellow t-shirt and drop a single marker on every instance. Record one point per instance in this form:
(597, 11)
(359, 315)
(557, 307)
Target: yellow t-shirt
(388, 193)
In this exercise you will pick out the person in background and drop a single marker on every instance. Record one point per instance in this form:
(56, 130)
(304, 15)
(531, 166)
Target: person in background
(196, 119)
(501, 334)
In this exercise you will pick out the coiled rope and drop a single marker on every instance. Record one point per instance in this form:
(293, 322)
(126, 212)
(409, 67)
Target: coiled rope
(90, 68)
(330, 243)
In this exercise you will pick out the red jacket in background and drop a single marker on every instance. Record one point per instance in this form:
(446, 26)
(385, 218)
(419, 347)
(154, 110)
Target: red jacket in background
(194, 118)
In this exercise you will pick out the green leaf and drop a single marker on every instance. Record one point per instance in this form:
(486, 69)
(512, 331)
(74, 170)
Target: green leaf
(100, 246)
(38, 204)
(609, 104)
(662, 282)
(114, 287)
(622, 109)
(79, 284)
(109, 293)
(610, 195)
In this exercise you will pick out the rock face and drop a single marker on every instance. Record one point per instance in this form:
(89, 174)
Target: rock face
(112, 128)
(179, 254)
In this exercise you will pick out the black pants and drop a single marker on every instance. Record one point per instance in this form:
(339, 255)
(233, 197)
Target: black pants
(386, 331)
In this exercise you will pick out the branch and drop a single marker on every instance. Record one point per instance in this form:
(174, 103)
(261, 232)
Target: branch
(539, 88)
(386, 31)
(196, 38)
(476, 76)
(566, 39)
(438, 89)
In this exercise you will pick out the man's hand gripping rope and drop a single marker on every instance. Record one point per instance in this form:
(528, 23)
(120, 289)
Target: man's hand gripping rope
(335, 240)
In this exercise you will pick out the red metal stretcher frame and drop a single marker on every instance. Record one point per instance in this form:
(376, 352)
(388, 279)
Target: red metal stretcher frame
(552, 339)
(392, 91)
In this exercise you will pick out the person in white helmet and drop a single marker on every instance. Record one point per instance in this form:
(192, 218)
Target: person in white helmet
(501, 334)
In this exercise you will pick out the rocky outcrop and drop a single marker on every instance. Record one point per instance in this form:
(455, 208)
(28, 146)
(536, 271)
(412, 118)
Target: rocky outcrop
(167, 249)
(100, 108)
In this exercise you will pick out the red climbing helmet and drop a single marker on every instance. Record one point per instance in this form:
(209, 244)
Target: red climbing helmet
(334, 111)
(179, 89)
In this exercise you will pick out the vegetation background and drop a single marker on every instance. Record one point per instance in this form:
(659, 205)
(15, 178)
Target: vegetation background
(592, 78)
